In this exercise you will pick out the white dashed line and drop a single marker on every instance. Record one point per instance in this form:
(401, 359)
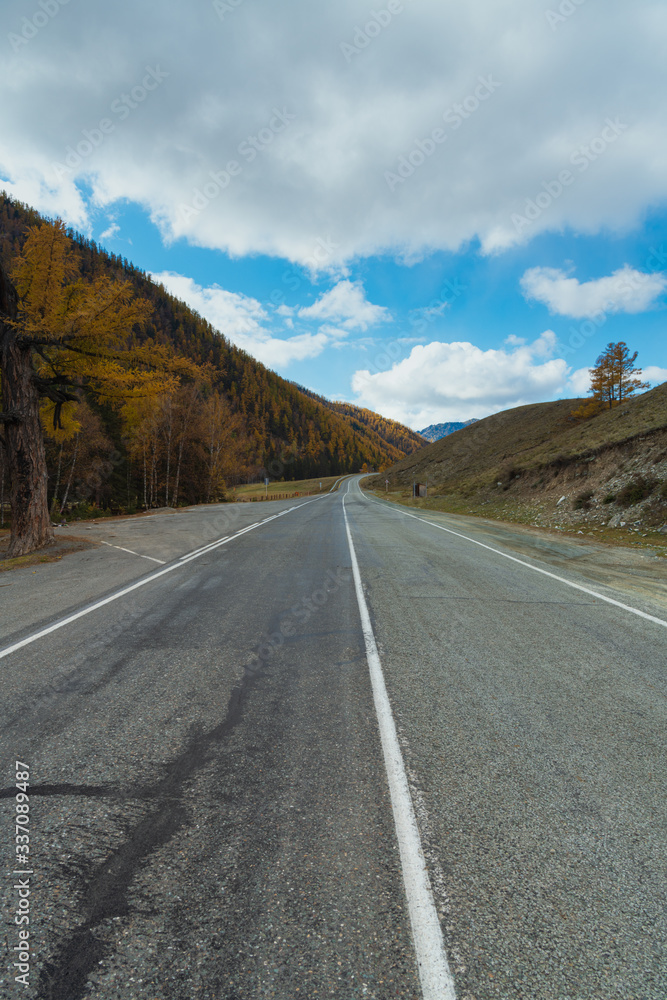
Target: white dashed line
(132, 553)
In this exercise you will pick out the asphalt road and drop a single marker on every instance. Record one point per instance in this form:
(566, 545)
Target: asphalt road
(210, 811)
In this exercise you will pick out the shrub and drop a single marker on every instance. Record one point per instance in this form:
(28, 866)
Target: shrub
(610, 498)
(583, 500)
(636, 490)
(654, 514)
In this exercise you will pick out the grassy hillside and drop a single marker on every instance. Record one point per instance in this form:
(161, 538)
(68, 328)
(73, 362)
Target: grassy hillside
(527, 438)
(606, 476)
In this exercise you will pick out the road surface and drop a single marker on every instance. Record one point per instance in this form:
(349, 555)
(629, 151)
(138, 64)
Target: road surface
(215, 804)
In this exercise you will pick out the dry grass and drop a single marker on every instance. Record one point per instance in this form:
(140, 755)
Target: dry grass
(300, 487)
(535, 465)
(514, 511)
(526, 438)
(53, 553)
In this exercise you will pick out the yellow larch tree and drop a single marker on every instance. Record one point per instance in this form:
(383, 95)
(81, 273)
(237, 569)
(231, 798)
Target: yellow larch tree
(61, 336)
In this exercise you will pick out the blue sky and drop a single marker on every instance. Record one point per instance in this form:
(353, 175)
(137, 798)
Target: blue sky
(432, 210)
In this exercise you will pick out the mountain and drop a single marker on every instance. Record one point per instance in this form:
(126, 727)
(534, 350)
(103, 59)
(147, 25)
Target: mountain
(436, 431)
(246, 422)
(391, 431)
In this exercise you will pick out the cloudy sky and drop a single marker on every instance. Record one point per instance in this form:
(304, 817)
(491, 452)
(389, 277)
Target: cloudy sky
(432, 208)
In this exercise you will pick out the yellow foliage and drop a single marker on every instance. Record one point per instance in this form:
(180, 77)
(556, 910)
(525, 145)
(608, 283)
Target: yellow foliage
(63, 425)
(612, 381)
(82, 334)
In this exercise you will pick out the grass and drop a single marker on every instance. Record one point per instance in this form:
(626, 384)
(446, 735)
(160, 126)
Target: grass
(55, 552)
(276, 490)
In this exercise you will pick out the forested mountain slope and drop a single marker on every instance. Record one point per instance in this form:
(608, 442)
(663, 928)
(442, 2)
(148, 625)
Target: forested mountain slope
(396, 434)
(242, 421)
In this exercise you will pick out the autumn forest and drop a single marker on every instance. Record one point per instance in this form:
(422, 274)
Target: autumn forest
(192, 418)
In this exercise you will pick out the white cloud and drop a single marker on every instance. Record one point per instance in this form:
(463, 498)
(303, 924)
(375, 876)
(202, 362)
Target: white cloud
(579, 383)
(231, 313)
(25, 182)
(626, 290)
(457, 381)
(241, 319)
(346, 303)
(314, 191)
(110, 232)
(654, 375)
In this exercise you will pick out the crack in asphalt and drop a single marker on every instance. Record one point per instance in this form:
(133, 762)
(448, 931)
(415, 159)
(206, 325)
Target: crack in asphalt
(66, 975)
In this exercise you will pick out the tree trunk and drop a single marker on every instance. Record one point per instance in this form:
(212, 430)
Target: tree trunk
(54, 499)
(166, 488)
(174, 502)
(25, 455)
(2, 486)
(71, 474)
(145, 489)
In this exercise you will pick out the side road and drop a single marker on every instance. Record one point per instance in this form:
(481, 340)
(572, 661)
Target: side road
(123, 549)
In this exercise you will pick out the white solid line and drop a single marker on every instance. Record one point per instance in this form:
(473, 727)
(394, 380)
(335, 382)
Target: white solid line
(121, 549)
(536, 569)
(196, 554)
(436, 979)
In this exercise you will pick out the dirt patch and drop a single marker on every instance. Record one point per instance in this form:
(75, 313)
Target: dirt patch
(61, 547)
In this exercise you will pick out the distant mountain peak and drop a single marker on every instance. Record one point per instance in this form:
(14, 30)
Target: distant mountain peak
(436, 431)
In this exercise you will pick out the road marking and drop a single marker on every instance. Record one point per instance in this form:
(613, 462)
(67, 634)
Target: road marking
(339, 480)
(521, 562)
(436, 979)
(121, 549)
(196, 554)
